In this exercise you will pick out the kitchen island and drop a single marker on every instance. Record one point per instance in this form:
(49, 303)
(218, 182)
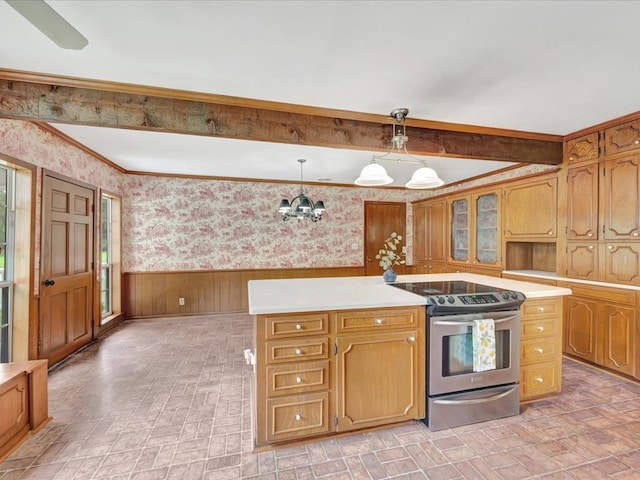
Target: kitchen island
(335, 355)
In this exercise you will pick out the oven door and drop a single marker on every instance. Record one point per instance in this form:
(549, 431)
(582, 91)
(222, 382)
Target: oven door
(450, 354)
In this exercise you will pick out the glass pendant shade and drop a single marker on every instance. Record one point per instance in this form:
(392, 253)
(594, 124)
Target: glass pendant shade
(424, 177)
(372, 175)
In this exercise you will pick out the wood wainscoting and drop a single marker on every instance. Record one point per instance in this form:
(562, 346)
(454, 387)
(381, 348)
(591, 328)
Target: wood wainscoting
(157, 294)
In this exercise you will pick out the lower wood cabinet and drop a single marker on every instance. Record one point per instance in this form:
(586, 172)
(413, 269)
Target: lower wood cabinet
(540, 347)
(320, 373)
(601, 327)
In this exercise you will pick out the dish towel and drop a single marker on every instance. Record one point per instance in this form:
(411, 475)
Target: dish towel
(484, 345)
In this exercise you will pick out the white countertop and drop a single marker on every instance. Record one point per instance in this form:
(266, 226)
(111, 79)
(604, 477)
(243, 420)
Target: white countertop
(343, 293)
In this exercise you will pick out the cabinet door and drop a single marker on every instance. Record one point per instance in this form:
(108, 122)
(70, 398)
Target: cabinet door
(580, 327)
(621, 263)
(622, 138)
(420, 213)
(530, 209)
(437, 232)
(486, 226)
(370, 390)
(621, 202)
(459, 219)
(582, 260)
(583, 149)
(582, 202)
(617, 328)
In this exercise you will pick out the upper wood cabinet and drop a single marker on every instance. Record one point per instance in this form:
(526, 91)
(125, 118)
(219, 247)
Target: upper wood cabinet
(621, 199)
(429, 233)
(622, 138)
(530, 209)
(582, 205)
(474, 222)
(583, 149)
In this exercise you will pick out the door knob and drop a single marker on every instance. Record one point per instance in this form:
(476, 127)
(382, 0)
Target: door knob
(49, 283)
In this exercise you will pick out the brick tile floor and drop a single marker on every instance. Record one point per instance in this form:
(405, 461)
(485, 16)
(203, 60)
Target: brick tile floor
(170, 398)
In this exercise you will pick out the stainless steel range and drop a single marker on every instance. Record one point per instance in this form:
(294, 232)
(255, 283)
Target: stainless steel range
(462, 386)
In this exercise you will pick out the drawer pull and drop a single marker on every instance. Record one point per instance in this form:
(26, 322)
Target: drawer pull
(635, 234)
(590, 247)
(541, 309)
(540, 328)
(298, 351)
(540, 380)
(379, 321)
(412, 338)
(298, 326)
(539, 350)
(298, 417)
(550, 232)
(589, 234)
(298, 380)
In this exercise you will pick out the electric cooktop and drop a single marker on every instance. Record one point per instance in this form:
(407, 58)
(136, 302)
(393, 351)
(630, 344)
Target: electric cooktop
(456, 296)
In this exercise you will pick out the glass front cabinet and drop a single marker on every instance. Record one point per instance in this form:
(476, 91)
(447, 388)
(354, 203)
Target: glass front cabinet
(474, 222)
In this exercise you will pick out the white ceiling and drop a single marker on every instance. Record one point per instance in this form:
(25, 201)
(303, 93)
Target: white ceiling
(540, 66)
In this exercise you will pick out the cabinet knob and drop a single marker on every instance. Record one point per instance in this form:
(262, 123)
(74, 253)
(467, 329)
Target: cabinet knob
(634, 234)
(590, 247)
(541, 309)
(572, 157)
(550, 232)
(539, 379)
(368, 259)
(589, 234)
(540, 328)
(298, 417)
(610, 247)
(379, 321)
(298, 351)
(539, 350)
(637, 142)
(412, 338)
(298, 326)
(298, 380)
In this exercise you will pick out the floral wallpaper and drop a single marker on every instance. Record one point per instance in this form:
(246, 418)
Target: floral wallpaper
(177, 224)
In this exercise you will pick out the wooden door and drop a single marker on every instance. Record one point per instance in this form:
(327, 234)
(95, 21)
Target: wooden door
(380, 220)
(530, 209)
(66, 288)
(621, 215)
(437, 232)
(580, 328)
(420, 222)
(582, 202)
(377, 379)
(617, 325)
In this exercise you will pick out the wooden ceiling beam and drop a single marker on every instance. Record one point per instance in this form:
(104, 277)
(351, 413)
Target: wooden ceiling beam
(45, 98)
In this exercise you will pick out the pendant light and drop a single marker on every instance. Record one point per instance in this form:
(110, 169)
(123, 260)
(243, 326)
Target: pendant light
(301, 207)
(376, 175)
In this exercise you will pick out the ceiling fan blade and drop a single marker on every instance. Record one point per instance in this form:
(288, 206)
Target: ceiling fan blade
(49, 22)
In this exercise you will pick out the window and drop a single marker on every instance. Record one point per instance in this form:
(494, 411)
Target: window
(109, 257)
(7, 217)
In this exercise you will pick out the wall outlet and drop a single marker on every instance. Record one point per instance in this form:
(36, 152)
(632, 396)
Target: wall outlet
(181, 301)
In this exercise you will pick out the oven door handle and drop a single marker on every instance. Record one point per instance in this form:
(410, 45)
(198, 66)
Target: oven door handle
(445, 323)
(476, 400)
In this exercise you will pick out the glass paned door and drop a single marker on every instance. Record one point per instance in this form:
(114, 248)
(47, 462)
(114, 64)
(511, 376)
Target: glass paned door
(460, 230)
(487, 228)
(7, 213)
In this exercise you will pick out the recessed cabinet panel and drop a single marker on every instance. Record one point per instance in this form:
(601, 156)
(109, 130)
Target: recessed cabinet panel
(582, 260)
(622, 138)
(583, 149)
(580, 323)
(622, 199)
(530, 209)
(582, 206)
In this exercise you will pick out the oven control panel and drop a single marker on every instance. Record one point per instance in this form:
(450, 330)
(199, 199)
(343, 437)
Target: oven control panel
(477, 302)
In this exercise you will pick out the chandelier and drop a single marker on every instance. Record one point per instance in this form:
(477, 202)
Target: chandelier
(301, 207)
(375, 174)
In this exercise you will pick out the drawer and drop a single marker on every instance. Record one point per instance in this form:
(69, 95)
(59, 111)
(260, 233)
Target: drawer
(541, 307)
(297, 416)
(372, 320)
(297, 350)
(537, 350)
(296, 325)
(539, 328)
(296, 378)
(537, 380)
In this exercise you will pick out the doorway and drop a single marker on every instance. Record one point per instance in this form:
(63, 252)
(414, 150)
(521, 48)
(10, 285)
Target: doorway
(66, 286)
(380, 220)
